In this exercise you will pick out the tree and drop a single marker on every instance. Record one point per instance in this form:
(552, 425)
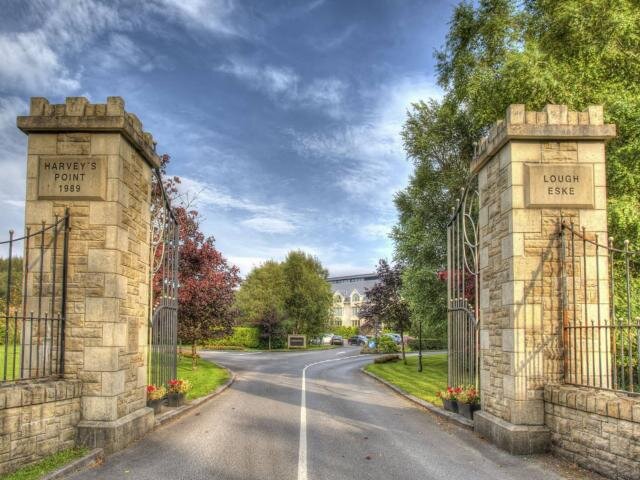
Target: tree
(438, 137)
(384, 301)
(260, 300)
(308, 294)
(501, 52)
(291, 296)
(207, 282)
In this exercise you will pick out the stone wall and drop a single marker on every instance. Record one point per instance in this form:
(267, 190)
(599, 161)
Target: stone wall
(596, 429)
(36, 420)
(521, 321)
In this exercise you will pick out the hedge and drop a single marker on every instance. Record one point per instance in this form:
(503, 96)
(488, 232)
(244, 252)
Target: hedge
(247, 337)
(428, 344)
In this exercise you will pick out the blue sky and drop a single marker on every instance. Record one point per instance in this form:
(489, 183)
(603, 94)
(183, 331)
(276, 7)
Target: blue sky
(282, 117)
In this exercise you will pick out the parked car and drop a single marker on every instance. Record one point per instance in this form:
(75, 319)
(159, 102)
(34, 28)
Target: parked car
(326, 338)
(395, 336)
(337, 340)
(357, 340)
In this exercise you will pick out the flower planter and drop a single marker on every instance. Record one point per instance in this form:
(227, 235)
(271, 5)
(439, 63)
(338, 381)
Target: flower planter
(450, 405)
(467, 409)
(156, 405)
(175, 399)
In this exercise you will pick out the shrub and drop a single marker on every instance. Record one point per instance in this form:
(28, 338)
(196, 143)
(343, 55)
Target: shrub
(428, 344)
(387, 358)
(246, 337)
(277, 342)
(345, 332)
(387, 345)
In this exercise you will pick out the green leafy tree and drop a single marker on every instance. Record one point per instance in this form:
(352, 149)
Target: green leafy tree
(287, 297)
(498, 52)
(261, 298)
(308, 296)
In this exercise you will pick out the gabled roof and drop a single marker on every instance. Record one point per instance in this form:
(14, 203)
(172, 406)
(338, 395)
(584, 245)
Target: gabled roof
(345, 285)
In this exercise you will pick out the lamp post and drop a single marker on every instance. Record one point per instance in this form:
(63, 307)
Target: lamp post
(420, 346)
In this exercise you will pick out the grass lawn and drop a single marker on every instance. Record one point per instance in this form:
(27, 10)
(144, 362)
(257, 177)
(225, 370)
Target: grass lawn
(205, 378)
(47, 465)
(422, 385)
(10, 361)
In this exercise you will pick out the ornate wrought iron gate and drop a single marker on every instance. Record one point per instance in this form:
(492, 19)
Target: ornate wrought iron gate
(164, 291)
(462, 289)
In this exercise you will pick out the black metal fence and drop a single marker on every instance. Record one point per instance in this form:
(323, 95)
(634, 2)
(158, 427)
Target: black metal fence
(33, 285)
(163, 351)
(462, 278)
(601, 311)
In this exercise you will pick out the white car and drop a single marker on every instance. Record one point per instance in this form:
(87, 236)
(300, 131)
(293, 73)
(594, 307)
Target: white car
(326, 339)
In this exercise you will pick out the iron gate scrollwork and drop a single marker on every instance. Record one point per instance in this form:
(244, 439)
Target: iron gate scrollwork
(163, 351)
(463, 306)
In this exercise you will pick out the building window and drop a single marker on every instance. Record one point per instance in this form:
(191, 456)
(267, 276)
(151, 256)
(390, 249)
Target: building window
(355, 323)
(355, 297)
(337, 311)
(355, 310)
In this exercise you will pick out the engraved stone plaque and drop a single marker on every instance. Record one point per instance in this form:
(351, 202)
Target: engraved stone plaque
(559, 185)
(73, 178)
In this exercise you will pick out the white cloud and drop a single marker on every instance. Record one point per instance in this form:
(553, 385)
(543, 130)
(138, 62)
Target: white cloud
(33, 61)
(28, 63)
(265, 218)
(285, 85)
(269, 225)
(12, 165)
(379, 230)
(334, 41)
(211, 15)
(123, 53)
(369, 155)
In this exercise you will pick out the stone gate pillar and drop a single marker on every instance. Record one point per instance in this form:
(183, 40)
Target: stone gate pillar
(533, 168)
(96, 160)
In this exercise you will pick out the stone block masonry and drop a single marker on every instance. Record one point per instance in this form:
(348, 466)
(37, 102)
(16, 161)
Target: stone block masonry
(533, 168)
(97, 161)
(597, 429)
(36, 420)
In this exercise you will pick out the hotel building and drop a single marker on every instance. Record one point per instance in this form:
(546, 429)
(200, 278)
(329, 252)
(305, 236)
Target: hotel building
(348, 296)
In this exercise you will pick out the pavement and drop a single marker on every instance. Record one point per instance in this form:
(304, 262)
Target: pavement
(345, 425)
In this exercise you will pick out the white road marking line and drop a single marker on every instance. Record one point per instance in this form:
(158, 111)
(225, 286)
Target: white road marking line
(340, 353)
(302, 448)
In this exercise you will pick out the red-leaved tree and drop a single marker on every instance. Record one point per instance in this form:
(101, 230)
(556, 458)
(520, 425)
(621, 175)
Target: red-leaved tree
(207, 281)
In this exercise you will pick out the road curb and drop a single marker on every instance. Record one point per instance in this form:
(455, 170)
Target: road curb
(449, 416)
(94, 456)
(171, 415)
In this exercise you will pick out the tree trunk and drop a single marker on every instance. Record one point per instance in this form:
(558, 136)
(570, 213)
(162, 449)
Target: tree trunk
(269, 341)
(194, 354)
(404, 358)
